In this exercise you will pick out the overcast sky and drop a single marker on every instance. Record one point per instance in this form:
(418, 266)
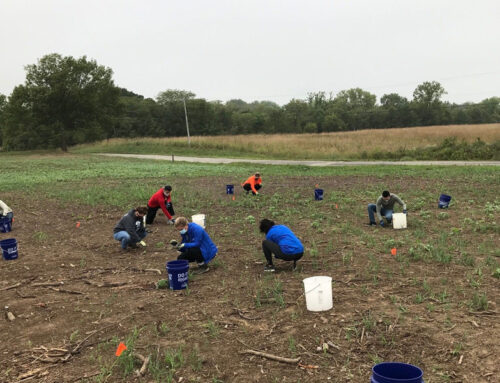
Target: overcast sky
(263, 49)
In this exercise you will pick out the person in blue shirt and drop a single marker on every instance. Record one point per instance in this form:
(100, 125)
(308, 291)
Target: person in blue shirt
(281, 242)
(196, 245)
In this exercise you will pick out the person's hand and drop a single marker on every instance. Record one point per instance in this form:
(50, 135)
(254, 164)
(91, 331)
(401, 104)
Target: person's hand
(181, 246)
(382, 223)
(173, 242)
(405, 211)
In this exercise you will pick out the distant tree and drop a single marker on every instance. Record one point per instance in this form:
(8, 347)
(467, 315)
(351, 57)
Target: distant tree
(427, 103)
(355, 107)
(395, 111)
(174, 95)
(295, 115)
(64, 101)
(429, 92)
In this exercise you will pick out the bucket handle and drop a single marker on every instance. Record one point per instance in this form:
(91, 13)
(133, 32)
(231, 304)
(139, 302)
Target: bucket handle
(314, 288)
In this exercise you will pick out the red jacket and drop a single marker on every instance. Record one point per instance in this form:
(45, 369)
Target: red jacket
(159, 200)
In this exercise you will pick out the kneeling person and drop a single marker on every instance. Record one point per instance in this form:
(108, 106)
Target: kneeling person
(5, 211)
(384, 207)
(196, 245)
(130, 229)
(281, 242)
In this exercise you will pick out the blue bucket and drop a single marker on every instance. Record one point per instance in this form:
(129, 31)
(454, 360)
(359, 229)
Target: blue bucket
(229, 189)
(318, 194)
(5, 225)
(444, 201)
(394, 372)
(178, 274)
(9, 249)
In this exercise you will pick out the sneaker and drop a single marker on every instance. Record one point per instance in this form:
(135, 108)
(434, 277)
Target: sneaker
(269, 269)
(202, 268)
(371, 224)
(133, 245)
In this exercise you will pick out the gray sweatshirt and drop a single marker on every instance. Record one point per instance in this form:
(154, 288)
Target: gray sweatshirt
(389, 204)
(131, 224)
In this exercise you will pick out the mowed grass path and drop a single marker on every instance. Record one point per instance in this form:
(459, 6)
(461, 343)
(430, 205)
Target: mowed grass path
(326, 146)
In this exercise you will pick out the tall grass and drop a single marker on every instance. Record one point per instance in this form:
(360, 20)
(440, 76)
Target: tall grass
(339, 145)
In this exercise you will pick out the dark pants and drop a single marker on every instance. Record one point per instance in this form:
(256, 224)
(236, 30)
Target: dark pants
(150, 217)
(248, 187)
(193, 254)
(271, 248)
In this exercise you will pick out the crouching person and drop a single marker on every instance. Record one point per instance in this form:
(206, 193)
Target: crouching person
(196, 245)
(5, 211)
(130, 229)
(281, 242)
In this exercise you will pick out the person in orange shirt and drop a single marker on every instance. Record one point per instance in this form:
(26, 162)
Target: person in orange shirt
(253, 183)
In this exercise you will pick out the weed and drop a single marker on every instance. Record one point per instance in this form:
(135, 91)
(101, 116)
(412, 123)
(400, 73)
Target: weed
(73, 336)
(195, 360)
(40, 236)
(213, 329)
(291, 345)
(479, 302)
(368, 322)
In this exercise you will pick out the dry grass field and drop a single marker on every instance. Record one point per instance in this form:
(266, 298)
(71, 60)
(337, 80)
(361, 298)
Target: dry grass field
(339, 145)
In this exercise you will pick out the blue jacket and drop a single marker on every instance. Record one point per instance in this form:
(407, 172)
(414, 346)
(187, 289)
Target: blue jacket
(196, 236)
(286, 240)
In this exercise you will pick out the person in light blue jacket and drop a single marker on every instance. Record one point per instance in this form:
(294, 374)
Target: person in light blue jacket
(196, 245)
(281, 242)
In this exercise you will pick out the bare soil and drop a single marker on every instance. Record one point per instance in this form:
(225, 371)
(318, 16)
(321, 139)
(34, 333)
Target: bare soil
(99, 294)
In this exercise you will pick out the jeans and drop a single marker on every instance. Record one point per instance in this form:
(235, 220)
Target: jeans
(372, 208)
(124, 238)
(270, 248)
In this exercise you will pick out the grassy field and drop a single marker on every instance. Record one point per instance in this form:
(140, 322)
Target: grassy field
(403, 143)
(434, 304)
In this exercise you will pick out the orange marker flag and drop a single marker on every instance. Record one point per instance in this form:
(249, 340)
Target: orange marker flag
(336, 206)
(234, 198)
(78, 224)
(394, 251)
(120, 349)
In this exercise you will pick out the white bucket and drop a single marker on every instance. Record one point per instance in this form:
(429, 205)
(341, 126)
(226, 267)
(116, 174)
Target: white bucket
(318, 292)
(399, 220)
(199, 219)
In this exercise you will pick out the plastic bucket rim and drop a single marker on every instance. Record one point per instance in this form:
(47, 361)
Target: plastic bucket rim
(417, 378)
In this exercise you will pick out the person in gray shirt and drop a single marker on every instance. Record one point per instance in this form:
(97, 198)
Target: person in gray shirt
(384, 207)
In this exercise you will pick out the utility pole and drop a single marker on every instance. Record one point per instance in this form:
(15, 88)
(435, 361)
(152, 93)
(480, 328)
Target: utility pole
(187, 123)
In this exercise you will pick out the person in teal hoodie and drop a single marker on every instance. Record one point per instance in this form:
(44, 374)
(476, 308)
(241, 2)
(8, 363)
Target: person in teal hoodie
(281, 242)
(196, 245)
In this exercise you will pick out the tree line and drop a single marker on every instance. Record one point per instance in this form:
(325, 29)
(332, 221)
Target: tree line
(66, 101)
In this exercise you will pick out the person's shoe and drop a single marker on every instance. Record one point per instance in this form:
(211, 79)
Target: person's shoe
(133, 245)
(371, 224)
(202, 268)
(269, 269)
(294, 267)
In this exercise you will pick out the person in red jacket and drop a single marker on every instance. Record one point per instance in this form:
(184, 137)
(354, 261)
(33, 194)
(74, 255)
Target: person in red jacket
(253, 183)
(161, 199)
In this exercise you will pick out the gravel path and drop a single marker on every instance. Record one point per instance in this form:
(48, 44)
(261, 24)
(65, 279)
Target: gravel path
(211, 160)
